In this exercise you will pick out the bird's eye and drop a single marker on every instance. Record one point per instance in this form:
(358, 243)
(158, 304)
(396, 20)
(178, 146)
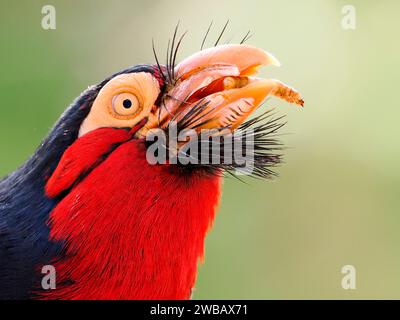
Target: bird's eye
(125, 105)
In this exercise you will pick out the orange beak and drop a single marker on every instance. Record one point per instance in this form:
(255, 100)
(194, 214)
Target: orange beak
(220, 81)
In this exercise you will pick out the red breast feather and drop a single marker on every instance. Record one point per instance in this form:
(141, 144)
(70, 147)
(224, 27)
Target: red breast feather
(132, 230)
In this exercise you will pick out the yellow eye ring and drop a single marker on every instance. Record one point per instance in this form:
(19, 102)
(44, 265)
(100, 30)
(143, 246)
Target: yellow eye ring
(125, 105)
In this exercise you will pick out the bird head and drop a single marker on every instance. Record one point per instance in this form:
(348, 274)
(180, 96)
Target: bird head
(214, 89)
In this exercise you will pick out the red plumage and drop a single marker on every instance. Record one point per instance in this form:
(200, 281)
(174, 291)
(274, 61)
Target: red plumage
(137, 236)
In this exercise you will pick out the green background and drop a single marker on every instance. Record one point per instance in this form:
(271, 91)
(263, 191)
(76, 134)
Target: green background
(337, 199)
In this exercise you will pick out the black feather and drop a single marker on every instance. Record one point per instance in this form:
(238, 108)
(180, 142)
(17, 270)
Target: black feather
(24, 207)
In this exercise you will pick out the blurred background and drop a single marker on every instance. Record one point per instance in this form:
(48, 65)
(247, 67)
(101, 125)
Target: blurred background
(336, 201)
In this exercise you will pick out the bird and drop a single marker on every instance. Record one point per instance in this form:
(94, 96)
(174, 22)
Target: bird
(90, 203)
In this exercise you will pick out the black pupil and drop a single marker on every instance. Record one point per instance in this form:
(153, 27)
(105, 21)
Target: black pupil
(127, 103)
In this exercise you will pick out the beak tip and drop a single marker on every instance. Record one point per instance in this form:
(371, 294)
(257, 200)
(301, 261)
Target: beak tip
(270, 59)
(275, 62)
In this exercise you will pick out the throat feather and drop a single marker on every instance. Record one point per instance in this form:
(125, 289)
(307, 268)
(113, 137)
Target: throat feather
(132, 230)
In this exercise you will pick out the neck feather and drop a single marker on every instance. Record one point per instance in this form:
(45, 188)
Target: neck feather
(133, 230)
